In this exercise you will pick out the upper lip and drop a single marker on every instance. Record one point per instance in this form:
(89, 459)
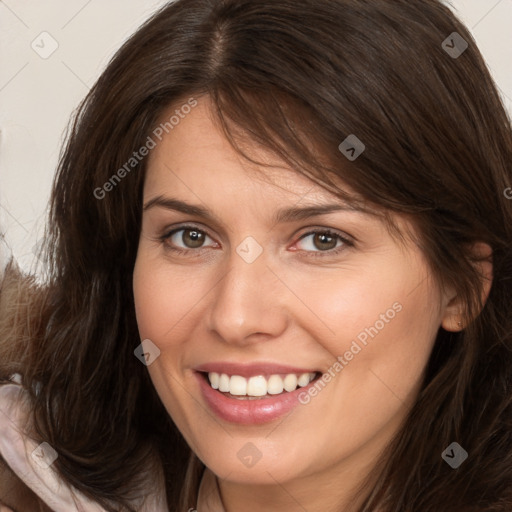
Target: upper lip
(252, 369)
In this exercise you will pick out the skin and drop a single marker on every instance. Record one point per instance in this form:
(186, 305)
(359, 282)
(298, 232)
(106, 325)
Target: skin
(289, 307)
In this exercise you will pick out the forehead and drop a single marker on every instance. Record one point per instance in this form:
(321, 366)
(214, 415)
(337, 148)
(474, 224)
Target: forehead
(195, 163)
(196, 156)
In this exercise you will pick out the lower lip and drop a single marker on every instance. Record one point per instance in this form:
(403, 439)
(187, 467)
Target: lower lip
(249, 412)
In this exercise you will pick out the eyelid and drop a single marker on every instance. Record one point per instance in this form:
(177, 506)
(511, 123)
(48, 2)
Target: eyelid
(187, 225)
(169, 232)
(324, 229)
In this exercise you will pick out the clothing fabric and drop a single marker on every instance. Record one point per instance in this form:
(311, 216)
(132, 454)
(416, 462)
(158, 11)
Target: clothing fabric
(31, 462)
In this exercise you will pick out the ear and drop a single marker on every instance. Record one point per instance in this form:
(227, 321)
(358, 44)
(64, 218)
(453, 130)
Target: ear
(452, 319)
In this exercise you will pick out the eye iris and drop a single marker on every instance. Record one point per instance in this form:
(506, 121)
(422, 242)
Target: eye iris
(192, 238)
(324, 241)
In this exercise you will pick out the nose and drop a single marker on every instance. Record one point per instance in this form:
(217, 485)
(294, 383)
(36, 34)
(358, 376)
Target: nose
(248, 305)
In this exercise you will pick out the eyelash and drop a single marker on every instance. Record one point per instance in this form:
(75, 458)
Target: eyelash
(314, 254)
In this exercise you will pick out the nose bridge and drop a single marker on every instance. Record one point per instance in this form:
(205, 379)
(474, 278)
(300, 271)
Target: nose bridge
(248, 300)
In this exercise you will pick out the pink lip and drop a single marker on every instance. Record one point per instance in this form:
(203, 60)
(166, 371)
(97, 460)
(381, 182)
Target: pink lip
(249, 412)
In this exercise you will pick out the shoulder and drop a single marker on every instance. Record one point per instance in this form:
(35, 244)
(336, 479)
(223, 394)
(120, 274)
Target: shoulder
(15, 496)
(14, 492)
(31, 482)
(28, 465)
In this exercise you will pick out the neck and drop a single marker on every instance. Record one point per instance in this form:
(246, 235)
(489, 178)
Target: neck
(343, 486)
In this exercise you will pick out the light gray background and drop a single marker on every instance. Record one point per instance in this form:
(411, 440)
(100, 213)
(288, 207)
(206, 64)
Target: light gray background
(38, 95)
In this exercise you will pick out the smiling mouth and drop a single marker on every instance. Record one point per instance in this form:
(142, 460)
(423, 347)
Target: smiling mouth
(258, 386)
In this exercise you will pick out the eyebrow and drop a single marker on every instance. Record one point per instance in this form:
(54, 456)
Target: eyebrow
(290, 214)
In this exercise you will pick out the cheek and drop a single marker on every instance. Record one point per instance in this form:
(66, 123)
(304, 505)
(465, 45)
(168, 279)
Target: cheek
(379, 350)
(164, 297)
(381, 321)
(387, 372)
(343, 303)
(147, 292)
(162, 301)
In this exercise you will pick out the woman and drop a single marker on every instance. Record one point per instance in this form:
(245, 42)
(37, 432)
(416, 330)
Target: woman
(279, 272)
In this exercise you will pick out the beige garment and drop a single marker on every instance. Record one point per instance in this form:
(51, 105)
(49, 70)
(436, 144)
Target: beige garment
(32, 461)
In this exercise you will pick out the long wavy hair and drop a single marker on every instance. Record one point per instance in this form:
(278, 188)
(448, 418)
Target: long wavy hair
(296, 77)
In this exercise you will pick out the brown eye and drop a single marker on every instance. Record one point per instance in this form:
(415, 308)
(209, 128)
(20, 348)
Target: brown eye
(323, 243)
(186, 238)
(192, 238)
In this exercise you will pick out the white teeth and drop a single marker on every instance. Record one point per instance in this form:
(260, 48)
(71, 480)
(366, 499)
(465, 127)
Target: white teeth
(223, 383)
(303, 380)
(275, 385)
(290, 382)
(237, 385)
(258, 385)
(214, 380)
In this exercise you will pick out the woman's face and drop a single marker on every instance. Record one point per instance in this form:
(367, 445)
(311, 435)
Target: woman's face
(231, 279)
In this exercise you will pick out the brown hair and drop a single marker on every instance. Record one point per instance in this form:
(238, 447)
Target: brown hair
(438, 149)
